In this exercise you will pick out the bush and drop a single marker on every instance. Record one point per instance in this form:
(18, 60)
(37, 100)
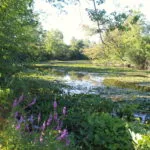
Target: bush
(103, 132)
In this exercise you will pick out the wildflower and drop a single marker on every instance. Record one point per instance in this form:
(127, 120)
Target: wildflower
(21, 119)
(55, 116)
(43, 126)
(31, 119)
(55, 104)
(59, 124)
(21, 98)
(15, 103)
(32, 103)
(67, 142)
(41, 138)
(49, 120)
(39, 117)
(64, 135)
(64, 111)
(18, 126)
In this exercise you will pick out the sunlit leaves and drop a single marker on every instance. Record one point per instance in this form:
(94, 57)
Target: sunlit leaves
(18, 28)
(99, 2)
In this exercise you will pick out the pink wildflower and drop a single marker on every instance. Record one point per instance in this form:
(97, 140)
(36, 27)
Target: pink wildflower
(32, 103)
(64, 111)
(55, 104)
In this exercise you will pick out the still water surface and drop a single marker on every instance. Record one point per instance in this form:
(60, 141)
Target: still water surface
(92, 83)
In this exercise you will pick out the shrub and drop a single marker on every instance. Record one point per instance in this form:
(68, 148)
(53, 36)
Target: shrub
(106, 133)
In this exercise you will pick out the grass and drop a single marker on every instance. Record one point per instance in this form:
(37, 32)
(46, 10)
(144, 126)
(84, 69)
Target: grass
(85, 66)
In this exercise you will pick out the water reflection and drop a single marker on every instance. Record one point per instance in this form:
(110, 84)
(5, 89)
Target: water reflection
(92, 83)
(143, 116)
(82, 82)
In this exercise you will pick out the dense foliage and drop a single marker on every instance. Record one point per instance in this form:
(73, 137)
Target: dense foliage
(19, 35)
(55, 48)
(129, 46)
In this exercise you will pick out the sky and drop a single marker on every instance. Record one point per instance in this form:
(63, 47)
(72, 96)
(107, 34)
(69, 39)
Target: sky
(70, 24)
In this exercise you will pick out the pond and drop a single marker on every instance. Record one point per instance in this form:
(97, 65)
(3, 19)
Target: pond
(92, 83)
(81, 82)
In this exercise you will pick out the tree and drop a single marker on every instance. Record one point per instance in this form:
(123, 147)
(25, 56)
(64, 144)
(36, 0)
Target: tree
(19, 32)
(129, 46)
(77, 47)
(18, 29)
(54, 43)
(140, 53)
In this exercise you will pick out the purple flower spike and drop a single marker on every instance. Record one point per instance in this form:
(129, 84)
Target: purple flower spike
(67, 142)
(21, 98)
(21, 119)
(15, 103)
(59, 125)
(64, 135)
(18, 126)
(41, 138)
(55, 116)
(64, 111)
(55, 104)
(32, 103)
(43, 126)
(31, 119)
(39, 118)
(49, 120)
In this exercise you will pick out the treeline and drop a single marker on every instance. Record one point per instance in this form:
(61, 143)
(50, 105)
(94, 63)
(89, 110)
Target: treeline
(129, 46)
(55, 48)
